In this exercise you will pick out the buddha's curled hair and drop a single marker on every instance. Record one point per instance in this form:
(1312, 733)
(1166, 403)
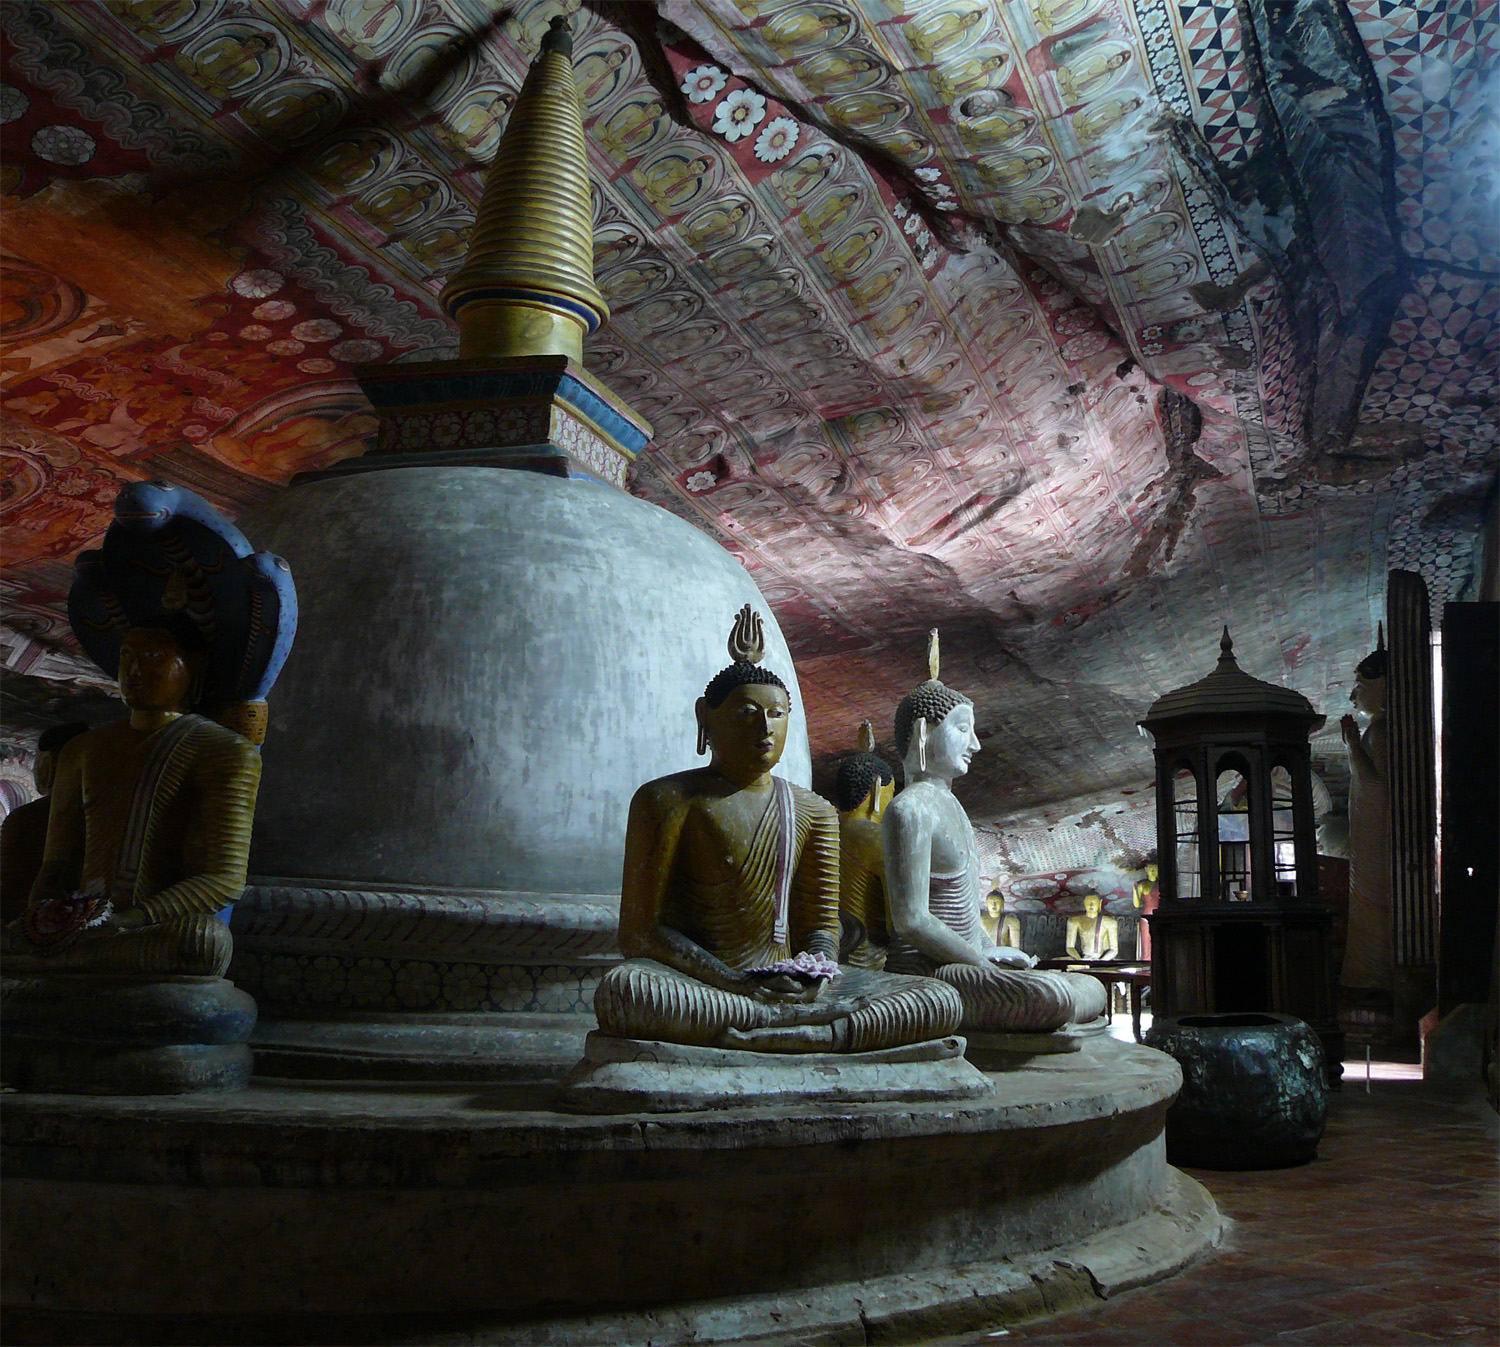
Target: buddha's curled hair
(1378, 662)
(930, 701)
(859, 774)
(747, 647)
(857, 777)
(737, 675)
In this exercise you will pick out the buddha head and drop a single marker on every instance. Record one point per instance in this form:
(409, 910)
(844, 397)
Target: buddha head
(162, 663)
(48, 746)
(995, 904)
(1368, 694)
(865, 781)
(935, 724)
(1153, 872)
(1091, 905)
(745, 709)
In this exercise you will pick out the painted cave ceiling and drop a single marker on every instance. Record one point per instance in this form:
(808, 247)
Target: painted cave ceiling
(1075, 328)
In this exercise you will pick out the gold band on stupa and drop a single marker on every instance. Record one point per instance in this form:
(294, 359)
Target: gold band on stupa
(527, 287)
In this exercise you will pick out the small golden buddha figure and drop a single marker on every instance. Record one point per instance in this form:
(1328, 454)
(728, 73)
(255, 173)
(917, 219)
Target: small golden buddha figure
(861, 790)
(729, 910)
(1002, 927)
(932, 873)
(23, 835)
(1092, 935)
(149, 832)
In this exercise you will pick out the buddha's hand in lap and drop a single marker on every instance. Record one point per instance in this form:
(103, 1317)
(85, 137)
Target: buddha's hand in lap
(783, 988)
(125, 919)
(1005, 957)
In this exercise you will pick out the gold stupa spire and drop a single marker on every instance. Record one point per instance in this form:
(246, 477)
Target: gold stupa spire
(527, 287)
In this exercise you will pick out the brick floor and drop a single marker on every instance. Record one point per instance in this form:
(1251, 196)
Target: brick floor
(1392, 1235)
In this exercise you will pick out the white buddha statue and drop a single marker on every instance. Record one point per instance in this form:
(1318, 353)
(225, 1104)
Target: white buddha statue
(932, 881)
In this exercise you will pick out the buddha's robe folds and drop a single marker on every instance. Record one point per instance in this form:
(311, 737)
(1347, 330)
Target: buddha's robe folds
(781, 898)
(996, 999)
(157, 822)
(863, 918)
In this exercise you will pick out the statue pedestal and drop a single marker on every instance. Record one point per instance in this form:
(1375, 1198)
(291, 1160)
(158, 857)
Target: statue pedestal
(632, 1075)
(1000, 1052)
(100, 1033)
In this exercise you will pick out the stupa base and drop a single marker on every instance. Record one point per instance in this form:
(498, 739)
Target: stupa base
(483, 1214)
(631, 1075)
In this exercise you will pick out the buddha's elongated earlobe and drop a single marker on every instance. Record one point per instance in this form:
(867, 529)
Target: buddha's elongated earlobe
(921, 743)
(702, 739)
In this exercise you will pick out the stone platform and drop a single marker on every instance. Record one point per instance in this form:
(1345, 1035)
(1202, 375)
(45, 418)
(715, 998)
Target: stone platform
(631, 1075)
(294, 1213)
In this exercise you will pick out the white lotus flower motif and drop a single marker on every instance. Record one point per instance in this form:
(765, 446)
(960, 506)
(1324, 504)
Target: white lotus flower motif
(704, 83)
(929, 174)
(942, 189)
(739, 114)
(700, 481)
(777, 139)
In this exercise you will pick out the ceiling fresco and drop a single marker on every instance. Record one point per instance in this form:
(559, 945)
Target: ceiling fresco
(1075, 328)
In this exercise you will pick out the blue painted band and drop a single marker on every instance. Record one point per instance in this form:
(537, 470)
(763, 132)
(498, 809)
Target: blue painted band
(591, 318)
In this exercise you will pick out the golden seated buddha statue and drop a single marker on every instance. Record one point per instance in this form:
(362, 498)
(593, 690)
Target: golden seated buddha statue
(862, 788)
(729, 914)
(149, 830)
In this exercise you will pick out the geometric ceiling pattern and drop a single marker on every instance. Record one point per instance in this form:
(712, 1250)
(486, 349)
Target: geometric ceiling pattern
(1074, 328)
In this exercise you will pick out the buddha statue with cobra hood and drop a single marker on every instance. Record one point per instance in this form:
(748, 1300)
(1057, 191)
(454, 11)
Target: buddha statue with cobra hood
(729, 911)
(113, 978)
(148, 835)
(932, 878)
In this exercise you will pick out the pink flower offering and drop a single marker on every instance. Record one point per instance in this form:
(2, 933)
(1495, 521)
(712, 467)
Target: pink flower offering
(805, 966)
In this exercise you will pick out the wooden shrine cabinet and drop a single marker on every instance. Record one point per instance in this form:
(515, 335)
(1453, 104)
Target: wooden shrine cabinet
(1240, 925)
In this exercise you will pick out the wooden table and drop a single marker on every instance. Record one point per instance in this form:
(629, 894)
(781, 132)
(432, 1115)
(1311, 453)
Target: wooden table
(1134, 976)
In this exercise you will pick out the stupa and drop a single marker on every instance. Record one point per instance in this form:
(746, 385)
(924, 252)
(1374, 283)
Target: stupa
(499, 645)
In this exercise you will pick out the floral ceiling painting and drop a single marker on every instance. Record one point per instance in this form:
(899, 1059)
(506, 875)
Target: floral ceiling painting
(1074, 328)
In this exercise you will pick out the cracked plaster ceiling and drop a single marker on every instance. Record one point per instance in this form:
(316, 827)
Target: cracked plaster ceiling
(1074, 328)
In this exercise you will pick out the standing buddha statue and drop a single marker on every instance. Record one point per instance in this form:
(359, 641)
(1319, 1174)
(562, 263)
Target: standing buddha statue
(861, 790)
(729, 909)
(1369, 956)
(932, 880)
(1146, 895)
